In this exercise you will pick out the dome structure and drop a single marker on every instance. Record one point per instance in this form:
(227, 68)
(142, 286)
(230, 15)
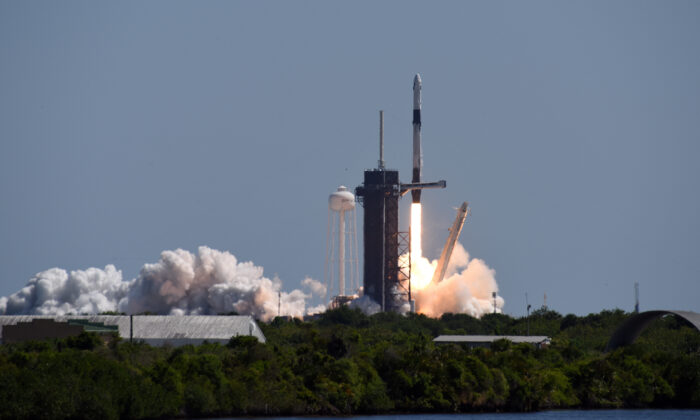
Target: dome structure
(341, 200)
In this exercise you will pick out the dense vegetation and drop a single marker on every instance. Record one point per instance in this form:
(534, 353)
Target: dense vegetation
(345, 362)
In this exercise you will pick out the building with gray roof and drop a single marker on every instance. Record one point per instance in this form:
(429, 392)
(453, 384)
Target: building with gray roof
(160, 330)
(538, 341)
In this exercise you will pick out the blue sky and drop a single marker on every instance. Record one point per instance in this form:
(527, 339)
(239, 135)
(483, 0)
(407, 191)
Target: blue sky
(572, 128)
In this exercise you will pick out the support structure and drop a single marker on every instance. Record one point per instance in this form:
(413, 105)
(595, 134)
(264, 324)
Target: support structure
(446, 254)
(379, 195)
(341, 253)
(630, 329)
(342, 204)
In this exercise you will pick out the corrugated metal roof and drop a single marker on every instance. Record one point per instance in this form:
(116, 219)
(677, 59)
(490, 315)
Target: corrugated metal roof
(162, 328)
(99, 327)
(532, 339)
(200, 327)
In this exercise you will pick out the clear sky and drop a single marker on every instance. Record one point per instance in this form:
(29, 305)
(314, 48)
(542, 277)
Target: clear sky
(572, 128)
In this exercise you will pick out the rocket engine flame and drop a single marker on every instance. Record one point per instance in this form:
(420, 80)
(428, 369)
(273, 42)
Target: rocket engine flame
(416, 246)
(421, 269)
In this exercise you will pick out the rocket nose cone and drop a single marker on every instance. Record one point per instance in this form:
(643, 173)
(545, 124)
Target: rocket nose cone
(417, 84)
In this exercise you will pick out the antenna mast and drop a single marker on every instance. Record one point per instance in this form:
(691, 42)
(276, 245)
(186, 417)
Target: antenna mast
(381, 140)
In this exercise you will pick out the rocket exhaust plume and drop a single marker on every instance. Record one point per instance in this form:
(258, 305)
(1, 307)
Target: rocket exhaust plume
(181, 283)
(416, 246)
(467, 287)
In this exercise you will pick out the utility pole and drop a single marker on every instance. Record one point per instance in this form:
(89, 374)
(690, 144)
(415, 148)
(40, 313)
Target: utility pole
(528, 314)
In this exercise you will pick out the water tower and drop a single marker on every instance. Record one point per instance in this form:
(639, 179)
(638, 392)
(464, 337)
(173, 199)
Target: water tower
(341, 238)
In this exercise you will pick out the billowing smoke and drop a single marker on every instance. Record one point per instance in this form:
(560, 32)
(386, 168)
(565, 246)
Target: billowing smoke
(316, 287)
(180, 283)
(366, 305)
(467, 287)
(215, 282)
(56, 292)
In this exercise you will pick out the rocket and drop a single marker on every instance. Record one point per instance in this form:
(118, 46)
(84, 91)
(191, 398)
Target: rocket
(417, 154)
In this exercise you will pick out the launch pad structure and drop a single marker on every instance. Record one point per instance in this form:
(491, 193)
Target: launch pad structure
(379, 195)
(387, 280)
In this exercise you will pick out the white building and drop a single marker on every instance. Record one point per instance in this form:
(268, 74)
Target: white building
(158, 330)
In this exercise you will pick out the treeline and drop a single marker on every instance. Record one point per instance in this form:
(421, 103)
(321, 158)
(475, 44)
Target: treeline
(345, 363)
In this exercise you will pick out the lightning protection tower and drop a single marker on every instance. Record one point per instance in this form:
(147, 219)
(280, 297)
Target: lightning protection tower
(341, 249)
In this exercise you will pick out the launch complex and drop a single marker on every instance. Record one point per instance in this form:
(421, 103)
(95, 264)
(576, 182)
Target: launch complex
(387, 278)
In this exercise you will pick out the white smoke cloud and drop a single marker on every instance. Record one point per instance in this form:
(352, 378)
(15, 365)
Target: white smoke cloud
(313, 310)
(366, 305)
(467, 287)
(56, 292)
(180, 283)
(316, 287)
(215, 282)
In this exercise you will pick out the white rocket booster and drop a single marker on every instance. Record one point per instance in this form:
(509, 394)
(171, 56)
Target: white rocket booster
(417, 153)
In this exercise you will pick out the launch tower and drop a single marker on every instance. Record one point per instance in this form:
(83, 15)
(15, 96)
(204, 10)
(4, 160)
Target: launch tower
(385, 280)
(379, 195)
